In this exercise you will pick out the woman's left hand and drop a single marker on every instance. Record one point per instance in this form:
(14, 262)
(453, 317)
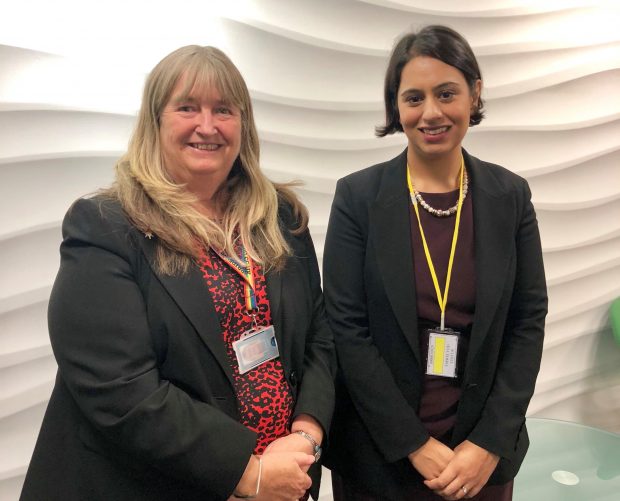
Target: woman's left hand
(290, 443)
(467, 473)
(295, 442)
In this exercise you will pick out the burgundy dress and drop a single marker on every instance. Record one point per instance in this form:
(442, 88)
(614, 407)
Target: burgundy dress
(440, 396)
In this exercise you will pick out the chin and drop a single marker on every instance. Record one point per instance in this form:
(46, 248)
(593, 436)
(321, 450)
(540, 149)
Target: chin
(434, 151)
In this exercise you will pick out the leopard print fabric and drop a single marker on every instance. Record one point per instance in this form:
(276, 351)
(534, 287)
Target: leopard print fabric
(264, 398)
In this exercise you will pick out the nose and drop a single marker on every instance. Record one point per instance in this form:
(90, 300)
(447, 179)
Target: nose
(432, 109)
(206, 123)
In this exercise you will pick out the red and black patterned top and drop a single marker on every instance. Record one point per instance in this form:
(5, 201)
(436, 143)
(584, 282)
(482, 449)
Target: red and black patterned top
(263, 395)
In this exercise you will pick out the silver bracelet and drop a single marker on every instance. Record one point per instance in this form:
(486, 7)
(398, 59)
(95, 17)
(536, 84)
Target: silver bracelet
(316, 448)
(260, 472)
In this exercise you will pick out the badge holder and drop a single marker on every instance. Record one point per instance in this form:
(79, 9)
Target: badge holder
(443, 347)
(255, 347)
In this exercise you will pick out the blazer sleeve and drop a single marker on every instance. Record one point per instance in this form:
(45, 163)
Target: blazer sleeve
(107, 359)
(391, 421)
(503, 415)
(316, 394)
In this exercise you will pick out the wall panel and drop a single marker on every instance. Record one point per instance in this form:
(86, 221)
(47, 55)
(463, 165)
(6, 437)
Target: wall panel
(70, 84)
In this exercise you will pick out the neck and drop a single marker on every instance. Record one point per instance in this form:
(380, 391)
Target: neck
(213, 207)
(211, 197)
(435, 175)
(211, 203)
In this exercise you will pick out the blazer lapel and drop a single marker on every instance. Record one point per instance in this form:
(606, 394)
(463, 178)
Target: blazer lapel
(493, 240)
(191, 295)
(391, 238)
(274, 294)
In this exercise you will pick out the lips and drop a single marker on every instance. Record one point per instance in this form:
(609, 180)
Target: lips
(434, 131)
(204, 146)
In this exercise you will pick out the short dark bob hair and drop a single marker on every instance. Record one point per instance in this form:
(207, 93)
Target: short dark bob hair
(439, 42)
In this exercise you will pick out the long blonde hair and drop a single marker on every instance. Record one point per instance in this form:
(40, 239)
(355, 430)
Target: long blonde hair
(156, 204)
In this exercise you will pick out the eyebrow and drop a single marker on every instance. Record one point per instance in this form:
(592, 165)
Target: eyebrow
(184, 99)
(436, 88)
(192, 100)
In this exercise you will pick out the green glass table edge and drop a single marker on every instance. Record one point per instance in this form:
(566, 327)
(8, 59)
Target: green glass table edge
(573, 424)
(581, 463)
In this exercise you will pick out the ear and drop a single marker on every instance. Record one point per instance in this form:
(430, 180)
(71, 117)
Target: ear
(475, 95)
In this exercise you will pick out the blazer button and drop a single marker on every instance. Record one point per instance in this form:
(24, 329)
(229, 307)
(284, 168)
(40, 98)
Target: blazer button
(469, 386)
(293, 378)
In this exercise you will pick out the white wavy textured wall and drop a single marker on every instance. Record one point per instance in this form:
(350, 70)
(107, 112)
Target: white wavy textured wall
(70, 82)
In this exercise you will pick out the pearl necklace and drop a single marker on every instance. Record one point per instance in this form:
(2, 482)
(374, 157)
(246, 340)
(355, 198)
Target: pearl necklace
(439, 212)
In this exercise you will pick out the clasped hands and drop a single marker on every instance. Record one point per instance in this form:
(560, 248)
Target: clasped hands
(285, 464)
(454, 474)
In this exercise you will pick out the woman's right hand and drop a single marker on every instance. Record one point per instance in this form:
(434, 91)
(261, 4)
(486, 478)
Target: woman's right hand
(284, 476)
(282, 479)
(431, 459)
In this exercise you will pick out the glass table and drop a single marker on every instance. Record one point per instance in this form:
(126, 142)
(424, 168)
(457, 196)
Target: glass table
(569, 462)
(565, 462)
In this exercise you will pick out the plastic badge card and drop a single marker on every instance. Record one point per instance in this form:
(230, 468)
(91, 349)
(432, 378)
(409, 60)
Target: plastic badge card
(256, 347)
(442, 352)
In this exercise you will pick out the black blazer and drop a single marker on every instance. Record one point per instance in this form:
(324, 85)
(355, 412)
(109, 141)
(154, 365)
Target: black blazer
(371, 304)
(144, 407)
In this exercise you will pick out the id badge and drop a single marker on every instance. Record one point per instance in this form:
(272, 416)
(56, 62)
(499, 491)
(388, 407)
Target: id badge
(443, 347)
(255, 347)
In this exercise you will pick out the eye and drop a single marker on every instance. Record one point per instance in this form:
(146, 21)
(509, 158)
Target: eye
(446, 95)
(223, 110)
(186, 108)
(413, 99)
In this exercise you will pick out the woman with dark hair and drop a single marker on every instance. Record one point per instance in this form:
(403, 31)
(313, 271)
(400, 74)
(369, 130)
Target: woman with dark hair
(195, 361)
(436, 295)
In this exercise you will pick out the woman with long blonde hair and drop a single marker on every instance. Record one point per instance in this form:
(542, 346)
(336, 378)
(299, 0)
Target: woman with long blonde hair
(187, 320)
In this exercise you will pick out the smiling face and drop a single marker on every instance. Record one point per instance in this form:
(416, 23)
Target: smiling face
(434, 105)
(200, 137)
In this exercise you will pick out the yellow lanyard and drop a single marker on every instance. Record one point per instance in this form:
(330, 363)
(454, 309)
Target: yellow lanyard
(442, 300)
